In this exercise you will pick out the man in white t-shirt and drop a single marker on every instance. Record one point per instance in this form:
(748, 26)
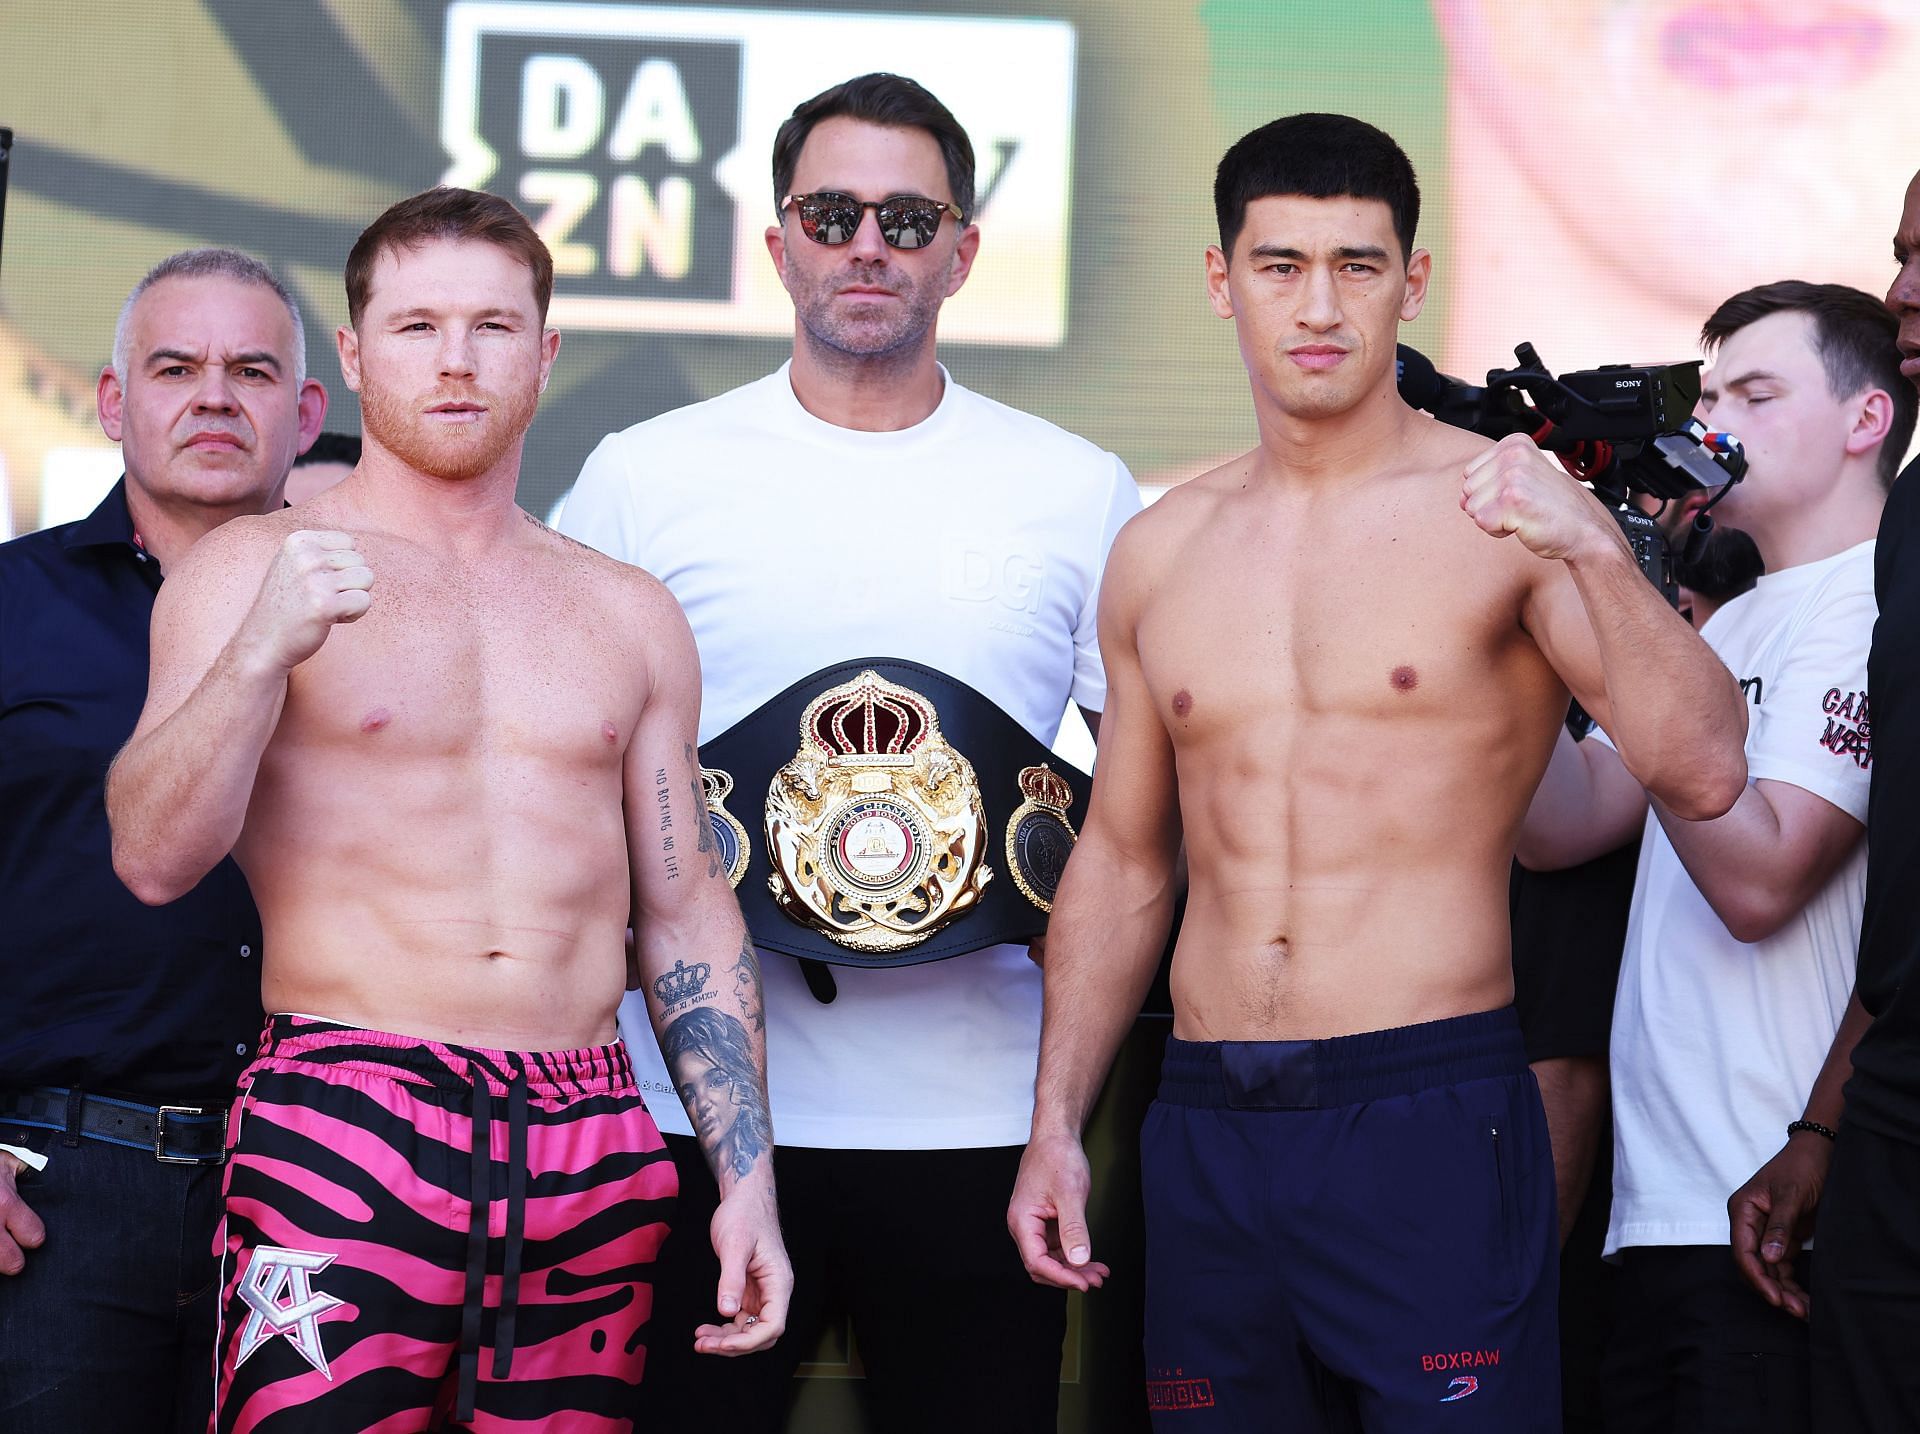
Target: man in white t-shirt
(1740, 949)
(859, 502)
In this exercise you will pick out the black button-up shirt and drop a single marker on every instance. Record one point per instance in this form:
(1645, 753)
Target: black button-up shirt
(96, 990)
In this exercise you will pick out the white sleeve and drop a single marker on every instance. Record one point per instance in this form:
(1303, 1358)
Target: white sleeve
(600, 510)
(1810, 726)
(1089, 676)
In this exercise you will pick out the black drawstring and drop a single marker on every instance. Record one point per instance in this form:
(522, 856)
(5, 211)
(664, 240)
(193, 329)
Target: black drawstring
(516, 1219)
(481, 1200)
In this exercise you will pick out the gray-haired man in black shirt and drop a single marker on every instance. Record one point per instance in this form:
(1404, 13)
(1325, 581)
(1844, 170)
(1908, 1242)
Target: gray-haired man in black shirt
(126, 1025)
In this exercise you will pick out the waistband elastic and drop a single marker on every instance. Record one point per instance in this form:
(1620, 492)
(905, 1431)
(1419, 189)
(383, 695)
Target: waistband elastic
(589, 1070)
(1342, 1070)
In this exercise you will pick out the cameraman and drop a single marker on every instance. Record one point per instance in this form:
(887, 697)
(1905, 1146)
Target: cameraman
(1740, 945)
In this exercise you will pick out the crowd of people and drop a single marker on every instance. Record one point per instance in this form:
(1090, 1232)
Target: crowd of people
(406, 1031)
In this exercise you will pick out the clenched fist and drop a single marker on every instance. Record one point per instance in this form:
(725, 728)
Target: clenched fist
(1515, 490)
(315, 581)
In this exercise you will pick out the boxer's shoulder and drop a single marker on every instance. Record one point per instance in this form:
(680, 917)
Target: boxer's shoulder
(244, 545)
(609, 584)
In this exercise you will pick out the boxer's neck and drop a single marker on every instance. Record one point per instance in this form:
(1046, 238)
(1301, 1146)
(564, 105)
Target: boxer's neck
(441, 514)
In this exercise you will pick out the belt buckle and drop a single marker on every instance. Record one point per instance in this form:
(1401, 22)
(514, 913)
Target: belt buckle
(160, 1134)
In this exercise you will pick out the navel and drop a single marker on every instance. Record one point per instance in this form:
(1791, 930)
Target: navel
(1404, 679)
(375, 720)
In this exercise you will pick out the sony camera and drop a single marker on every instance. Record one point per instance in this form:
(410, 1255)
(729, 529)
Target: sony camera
(1622, 428)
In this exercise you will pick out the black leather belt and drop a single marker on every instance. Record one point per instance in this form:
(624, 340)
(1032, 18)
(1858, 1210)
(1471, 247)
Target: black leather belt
(172, 1134)
(886, 814)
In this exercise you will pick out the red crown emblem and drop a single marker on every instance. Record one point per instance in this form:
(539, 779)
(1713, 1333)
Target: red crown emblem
(869, 717)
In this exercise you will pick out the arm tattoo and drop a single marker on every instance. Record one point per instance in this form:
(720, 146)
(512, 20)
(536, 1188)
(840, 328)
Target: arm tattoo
(663, 808)
(746, 984)
(710, 1055)
(708, 846)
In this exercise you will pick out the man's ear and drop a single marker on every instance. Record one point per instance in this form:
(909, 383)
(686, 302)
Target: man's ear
(1419, 273)
(348, 343)
(1219, 291)
(1872, 422)
(109, 399)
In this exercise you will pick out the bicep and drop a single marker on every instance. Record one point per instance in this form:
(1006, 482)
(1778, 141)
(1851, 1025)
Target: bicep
(669, 841)
(196, 614)
(1557, 620)
(1135, 802)
(1816, 837)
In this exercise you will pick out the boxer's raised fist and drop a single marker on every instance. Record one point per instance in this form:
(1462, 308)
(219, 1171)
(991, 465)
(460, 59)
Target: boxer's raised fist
(1515, 490)
(315, 581)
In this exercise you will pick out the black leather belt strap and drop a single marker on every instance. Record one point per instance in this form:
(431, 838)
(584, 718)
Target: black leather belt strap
(172, 1134)
(996, 746)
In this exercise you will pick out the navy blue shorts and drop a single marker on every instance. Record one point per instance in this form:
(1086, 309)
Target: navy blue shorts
(1354, 1233)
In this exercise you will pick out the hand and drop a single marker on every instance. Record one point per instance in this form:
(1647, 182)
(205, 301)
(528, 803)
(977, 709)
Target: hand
(1772, 1215)
(1047, 1216)
(1515, 490)
(315, 581)
(20, 1229)
(756, 1278)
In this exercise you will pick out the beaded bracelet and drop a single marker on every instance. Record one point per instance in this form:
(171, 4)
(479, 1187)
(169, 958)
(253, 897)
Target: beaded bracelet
(1815, 1126)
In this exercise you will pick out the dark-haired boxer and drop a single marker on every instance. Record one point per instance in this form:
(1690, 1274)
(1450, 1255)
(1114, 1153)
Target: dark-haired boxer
(1324, 675)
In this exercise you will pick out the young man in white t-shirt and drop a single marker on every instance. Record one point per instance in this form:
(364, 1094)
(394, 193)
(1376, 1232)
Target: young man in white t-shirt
(859, 502)
(1740, 948)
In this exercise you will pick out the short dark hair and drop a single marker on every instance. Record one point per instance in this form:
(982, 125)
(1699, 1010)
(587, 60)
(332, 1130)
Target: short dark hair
(1854, 334)
(1321, 157)
(445, 213)
(883, 99)
(332, 448)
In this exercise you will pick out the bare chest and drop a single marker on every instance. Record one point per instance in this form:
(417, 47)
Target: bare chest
(1385, 616)
(449, 663)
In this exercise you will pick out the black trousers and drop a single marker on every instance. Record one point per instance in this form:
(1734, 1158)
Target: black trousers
(1866, 1288)
(913, 1247)
(1695, 1351)
(110, 1325)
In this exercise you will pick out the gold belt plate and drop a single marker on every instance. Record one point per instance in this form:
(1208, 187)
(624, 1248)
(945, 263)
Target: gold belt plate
(875, 830)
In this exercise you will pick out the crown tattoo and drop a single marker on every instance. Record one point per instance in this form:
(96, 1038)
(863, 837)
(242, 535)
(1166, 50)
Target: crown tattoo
(682, 983)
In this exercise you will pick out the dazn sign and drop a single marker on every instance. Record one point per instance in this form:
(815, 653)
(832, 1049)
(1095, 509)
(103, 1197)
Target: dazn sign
(638, 139)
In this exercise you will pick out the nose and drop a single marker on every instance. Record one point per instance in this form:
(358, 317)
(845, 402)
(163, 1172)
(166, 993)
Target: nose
(1319, 302)
(456, 353)
(866, 244)
(215, 393)
(1904, 295)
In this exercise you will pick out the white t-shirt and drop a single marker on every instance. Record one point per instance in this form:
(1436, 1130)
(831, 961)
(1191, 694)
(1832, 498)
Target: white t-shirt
(1717, 1042)
(972, 542)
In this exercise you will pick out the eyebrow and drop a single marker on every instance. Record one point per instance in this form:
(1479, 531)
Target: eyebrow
(423, 312)
(259, 360)
(1758, 375)
(1345, 251)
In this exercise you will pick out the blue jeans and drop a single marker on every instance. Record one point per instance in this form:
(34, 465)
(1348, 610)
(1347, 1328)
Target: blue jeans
(110, 1326)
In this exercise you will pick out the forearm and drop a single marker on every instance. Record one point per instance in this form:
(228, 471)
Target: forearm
(706, 1004)
(1104, 941)
(177, 794)
(1585, 806)
(1674, 711)
(1739, 862)
(1826, 1102)
(1573, 1091)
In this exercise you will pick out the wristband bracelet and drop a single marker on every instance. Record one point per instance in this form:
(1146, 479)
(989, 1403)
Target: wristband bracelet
(1815, 1126)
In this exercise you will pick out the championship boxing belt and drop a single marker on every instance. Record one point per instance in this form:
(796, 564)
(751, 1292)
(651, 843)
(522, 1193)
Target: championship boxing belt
(896, 815)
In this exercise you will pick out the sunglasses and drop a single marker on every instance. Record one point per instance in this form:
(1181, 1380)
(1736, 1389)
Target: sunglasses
(907, 221)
